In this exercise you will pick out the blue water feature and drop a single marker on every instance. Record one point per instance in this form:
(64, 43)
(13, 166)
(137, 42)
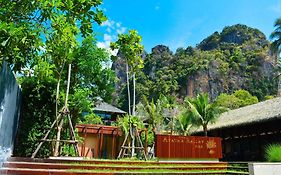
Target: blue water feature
(5, 153)
(10, 97)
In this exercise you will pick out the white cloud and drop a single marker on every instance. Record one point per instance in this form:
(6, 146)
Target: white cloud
(178, 41)
(112, 29)
(101, 45)
(108, 30)
(108, 23)
(107, 37)
(106, 41)
(121, 30)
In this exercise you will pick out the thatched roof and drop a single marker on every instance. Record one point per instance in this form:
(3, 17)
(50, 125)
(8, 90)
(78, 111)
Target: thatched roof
(263, 111)
(105, 107)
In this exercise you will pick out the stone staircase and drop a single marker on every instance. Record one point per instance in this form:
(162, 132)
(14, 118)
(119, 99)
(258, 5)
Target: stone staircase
(28, 166)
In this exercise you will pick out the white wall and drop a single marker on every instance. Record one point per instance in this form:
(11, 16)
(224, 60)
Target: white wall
(265, 168)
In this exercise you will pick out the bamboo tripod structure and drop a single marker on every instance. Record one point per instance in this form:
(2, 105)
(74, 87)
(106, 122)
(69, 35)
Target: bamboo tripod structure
(59, 121)
(133, 132)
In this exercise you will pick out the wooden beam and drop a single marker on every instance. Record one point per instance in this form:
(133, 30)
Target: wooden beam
(56, 140)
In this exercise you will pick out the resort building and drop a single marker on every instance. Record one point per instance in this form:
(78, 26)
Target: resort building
(101, 141)
(247, 131)
(107, 112)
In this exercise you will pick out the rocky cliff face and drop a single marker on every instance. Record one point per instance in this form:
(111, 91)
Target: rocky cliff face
(236, 58)
(252, 68)
(234, 35)
(215, 82)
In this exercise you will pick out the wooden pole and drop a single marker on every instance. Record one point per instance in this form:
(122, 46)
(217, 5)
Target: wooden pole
(68, 84)
(64, 110)
(45, 137)
(101, 143)
(60, 119)
(73, 135)
(59, 128)
(128, 88)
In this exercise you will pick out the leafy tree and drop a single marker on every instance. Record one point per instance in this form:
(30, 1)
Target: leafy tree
(202, 111)
(228, 101)
(245, 97)
(37, 115)
(131, 49)
(26, 25)
(38, 38)
(90, 78)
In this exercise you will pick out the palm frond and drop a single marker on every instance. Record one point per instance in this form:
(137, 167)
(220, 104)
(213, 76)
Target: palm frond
(276, 36)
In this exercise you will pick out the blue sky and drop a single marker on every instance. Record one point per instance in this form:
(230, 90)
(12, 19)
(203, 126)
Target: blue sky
(182, 23)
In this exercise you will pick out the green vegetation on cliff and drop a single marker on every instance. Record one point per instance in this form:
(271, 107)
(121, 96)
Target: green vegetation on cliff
(236, 58)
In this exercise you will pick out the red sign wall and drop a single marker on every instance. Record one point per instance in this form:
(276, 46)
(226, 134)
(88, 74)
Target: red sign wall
(171, 146)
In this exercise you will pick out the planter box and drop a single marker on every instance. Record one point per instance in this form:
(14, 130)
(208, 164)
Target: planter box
(264, 168)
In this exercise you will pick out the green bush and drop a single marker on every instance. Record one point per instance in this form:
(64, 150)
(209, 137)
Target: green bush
(237, 99)
(273, 153)
(92, 119)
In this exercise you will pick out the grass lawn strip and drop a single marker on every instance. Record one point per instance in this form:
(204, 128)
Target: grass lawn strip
(145, 171)
(162, 171)
(149, 165)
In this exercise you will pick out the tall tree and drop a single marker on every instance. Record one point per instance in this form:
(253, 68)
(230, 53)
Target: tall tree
(202, 111)
(129, 45)
(276, 48)
(91, 78)
(131, 49)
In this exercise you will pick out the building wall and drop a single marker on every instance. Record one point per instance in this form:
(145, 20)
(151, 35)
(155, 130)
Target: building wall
(90, 147)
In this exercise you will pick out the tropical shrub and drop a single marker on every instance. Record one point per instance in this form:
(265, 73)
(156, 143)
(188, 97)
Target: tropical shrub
(245, 97)
(202, 111)
(236, 100)
(124, 122)
(184, 122)
(273, 153)
(92, 119)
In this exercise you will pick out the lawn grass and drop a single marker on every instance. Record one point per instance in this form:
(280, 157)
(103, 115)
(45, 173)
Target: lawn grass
(148, 165)
(154, 171)
(140, 171)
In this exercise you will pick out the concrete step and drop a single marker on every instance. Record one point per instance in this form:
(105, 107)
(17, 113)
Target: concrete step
(94, 161)
(28, 166)
(30, 171)
(23, 171)
(114, 167)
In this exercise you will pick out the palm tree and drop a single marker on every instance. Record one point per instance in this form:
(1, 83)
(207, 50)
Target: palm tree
(202, 111)
(184, 123)
(276, 48)
(152, 113)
